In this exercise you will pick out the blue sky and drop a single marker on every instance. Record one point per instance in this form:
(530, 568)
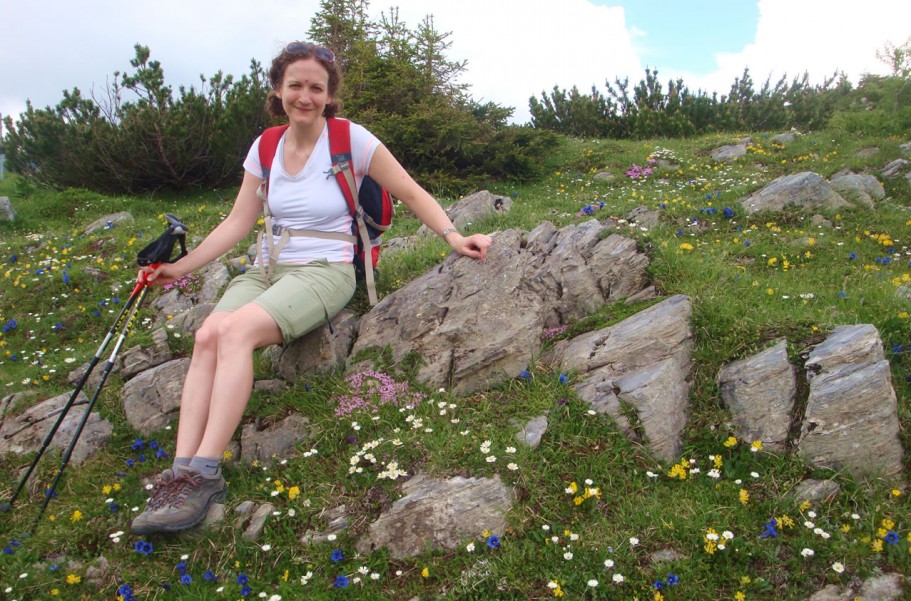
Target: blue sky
(515, 49)
(685, 35)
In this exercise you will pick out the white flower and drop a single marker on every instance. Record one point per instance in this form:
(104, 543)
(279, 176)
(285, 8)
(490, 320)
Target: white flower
(331, 537)
(713, 473)
(711, 536)
(512, 466)
(855, 516)
(363, 570)
(545, 527)
(275, 598)
(695, 470)
(491, 459)
(568, 555)
(266, 548)
(618, 578)
(727, 534)
(374, 576)
(573, 536)
(811, 514)
(511, 450)
(470, 547)
(838, 567)
(589, 482)
(608, 563)
(651, 474)
(806, 552)
(754, 474)
(592, 583)
(550, 585)
(633, 541)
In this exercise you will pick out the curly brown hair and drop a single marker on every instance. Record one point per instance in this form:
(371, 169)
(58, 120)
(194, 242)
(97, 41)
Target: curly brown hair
(303, 50)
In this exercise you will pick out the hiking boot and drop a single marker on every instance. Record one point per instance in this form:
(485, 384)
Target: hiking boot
(181, 503)
(156, 500)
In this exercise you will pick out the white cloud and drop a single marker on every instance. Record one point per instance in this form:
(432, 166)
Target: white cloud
(812, 36)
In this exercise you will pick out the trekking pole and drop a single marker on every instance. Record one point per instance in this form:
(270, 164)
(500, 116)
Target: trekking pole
(153, 255)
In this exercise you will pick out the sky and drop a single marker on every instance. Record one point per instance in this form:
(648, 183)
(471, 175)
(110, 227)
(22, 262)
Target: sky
(514, 49)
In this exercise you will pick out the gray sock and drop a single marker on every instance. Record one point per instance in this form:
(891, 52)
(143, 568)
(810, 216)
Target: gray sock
(207, 466)
(180, 462)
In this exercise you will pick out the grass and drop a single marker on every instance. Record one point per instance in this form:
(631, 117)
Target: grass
(753, 280)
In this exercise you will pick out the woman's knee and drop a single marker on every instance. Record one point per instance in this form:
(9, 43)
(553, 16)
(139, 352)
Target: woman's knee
(206, 337)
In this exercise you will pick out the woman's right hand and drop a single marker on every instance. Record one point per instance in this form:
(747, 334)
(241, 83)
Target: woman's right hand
(164, 274)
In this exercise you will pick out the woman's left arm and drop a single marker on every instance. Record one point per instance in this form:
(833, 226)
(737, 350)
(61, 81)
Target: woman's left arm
(389, 173)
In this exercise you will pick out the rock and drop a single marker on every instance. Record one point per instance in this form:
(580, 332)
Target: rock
(277, 440)
(805, 189)
(884, 587)
(212, 280)
(439, 514)
(640, 366)
(137, 359)
(859, 189)
(851, 419)
(214, 515)
(605, 176)
(784, 139)
(644, 217)
(257, 523)
(832, 593)
(191, 320)
(731, 152)
(665, 556)
(477, 324)
(895, 168)
(532, 432)
(6, 209)
(473, 208)
(151, 400)
(25, 433)
(816, 490)
(322, 350)
(759, 391)
(270, 387)
(905, 148)
(109, 221)
(866, 153)
(337, 518)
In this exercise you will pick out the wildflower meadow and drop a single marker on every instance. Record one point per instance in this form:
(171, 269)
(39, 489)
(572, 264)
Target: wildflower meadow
(595, 516)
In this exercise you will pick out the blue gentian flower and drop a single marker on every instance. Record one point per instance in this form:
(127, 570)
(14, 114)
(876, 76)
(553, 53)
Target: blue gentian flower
(336, 556)
(143, 547)
(186, 579)
(891, 537)
(341, 582)
(770, 529)
(210, 576)
(673, 580)
(245, 592)
(242, 579)
(493, 542)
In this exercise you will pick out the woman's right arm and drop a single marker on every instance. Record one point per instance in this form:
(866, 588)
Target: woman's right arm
(243, 216)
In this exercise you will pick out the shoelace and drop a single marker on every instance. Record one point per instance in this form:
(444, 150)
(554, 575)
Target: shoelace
(178, 489)
(159, 493)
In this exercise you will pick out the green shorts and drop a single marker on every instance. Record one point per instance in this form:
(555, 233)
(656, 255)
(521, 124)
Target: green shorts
(301, 297)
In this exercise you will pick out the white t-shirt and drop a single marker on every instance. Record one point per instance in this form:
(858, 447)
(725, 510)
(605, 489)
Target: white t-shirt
(312, 199)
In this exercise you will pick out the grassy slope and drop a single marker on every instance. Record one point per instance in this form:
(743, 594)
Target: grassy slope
(743, 299)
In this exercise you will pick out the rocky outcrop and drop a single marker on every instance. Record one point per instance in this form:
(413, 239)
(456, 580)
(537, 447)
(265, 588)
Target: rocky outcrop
(759, 392)
(151, 400)
(851, 419)
(637, 372)
(805, 189)
(439, 514)
(479, 324)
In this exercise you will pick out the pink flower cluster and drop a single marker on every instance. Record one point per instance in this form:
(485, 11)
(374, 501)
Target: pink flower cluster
(371, 389)
(635, 171)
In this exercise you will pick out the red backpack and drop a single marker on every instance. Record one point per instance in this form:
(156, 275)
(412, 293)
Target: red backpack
(371, 205)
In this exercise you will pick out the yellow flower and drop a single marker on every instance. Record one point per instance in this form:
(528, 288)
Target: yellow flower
(106, 489)
(744, 496)
(425, 573)
(73, 579)
(573, 487)
(658, 596)
(756, 446)
(227, 455)
(77, 515)
(888, 524)
(293, 492)
(730, 442)
(718, 461)
(877, 546)
(805, 505)
(686, 246)
(55, 592)
(578, 500)
(745, 580)
(739, 596)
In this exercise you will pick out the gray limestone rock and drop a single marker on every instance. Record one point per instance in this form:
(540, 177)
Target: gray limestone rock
(805, 189)
(759, 391)
(439, 514)
(637, 367)
(851, 419)
(151, 400)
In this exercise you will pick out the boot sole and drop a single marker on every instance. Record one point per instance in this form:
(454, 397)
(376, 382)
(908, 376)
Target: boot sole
(186, 524)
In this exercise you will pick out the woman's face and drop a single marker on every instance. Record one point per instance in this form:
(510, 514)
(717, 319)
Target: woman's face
(304, 91)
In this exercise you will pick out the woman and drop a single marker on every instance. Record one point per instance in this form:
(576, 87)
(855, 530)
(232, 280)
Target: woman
(312, 277)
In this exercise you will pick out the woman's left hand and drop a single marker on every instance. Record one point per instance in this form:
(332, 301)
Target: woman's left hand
(474, 246)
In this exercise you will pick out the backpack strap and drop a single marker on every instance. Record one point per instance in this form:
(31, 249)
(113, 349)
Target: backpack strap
(268, 146)
(340, 151)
